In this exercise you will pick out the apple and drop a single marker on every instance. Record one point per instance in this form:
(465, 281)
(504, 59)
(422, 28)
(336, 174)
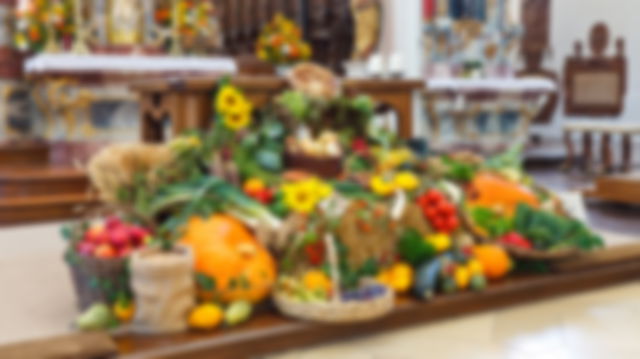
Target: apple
(104, 251)
(113, 222)
(119, 236)
(86, 248)
(97, 234)
(137, 234)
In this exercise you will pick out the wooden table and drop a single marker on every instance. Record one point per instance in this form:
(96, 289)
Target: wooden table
(271, 333)
(187, 101)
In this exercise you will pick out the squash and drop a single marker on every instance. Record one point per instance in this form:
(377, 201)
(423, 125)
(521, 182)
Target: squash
(495, 192)
(239, 267)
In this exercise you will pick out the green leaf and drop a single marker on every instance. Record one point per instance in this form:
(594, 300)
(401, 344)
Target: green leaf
(273, 130)
(205, 282)
(270, 160)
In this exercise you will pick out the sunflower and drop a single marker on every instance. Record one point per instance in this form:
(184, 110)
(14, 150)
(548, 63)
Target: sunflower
(304, 196)
(229, 99)
(239, 118)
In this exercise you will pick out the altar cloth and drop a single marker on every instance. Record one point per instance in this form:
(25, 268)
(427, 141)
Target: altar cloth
(498, 85)
(73, 63)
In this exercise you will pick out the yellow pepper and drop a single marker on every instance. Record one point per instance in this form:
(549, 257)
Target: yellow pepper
(462, 277)
(124, 311)
(475, 267)
(317, 280)
(440, 241)
(381, 186)
(407, 181)
(401, 277)
(254, 185)
(206, 317)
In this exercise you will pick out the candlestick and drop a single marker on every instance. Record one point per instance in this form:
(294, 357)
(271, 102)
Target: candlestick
(429, 9)
(79, 44)
(515, 12)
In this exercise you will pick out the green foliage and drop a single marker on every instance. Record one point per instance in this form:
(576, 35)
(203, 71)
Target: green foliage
(413, 248)
(459, 171)
(495, 224)
(260, 153)
(549, 231)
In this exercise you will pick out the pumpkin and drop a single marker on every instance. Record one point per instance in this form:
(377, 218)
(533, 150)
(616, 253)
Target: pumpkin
(490, 190)
(239, 267)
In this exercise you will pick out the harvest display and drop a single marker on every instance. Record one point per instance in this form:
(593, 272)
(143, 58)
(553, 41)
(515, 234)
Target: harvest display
(241, 209)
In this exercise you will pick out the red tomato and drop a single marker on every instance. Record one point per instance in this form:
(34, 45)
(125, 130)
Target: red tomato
(453, 223)
(447, 209)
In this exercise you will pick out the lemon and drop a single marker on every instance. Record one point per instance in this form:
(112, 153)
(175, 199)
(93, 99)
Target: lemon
(206, 317)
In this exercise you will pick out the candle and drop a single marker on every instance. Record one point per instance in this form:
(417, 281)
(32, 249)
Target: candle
(456, 8)
(515, 11)
(429, 9)
(442, 8)
(480, 12)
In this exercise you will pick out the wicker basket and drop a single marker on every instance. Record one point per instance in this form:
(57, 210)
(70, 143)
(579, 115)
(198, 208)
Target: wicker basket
(336, 310)
(97, 280)
(521, 253)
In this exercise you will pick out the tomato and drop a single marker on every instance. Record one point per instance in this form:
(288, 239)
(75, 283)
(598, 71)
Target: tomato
(453, 223)
(431, 213)
(447, 209)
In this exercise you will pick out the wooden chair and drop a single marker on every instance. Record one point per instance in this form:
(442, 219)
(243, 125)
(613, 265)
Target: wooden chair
(595, 87)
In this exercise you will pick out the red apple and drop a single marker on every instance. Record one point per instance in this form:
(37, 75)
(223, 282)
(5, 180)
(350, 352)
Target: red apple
(86, 248)
(119, 236)
(97, 234)
(104, 251)
(125, 251)
(137, 234)
(113, 222)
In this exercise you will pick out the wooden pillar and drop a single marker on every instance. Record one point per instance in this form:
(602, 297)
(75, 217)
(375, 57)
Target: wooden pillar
(627, 152)
(607, 155)
(571, 152)
(587, 149)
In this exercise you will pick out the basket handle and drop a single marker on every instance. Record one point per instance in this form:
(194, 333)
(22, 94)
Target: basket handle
(332, 255)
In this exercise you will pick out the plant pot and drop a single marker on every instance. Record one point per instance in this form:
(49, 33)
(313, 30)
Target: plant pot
(164, 288)
(98, 280)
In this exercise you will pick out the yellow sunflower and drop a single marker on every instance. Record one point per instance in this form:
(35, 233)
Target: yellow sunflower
(240, 117)
(304, 196)
(229, 99)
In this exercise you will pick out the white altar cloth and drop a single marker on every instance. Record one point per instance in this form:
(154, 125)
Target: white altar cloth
(497, 85)
(58, 63)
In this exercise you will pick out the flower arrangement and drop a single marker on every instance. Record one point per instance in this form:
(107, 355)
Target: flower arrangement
(392, 222)
(192, 16)
(43, 22)
(281, 42)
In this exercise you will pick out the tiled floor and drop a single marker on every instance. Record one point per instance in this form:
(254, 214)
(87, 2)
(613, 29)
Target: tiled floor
(601, 324)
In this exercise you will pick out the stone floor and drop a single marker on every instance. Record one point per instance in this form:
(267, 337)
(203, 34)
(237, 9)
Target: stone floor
(594, 325)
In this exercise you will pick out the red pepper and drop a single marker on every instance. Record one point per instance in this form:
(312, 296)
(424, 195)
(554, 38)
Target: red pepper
(315, 253)
(516, 240)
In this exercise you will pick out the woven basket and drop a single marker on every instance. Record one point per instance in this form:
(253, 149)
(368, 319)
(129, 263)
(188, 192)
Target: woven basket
(96, 280)
(521, 253)
(336, 310)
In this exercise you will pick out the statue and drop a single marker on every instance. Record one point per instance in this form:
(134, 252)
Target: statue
(125, 22)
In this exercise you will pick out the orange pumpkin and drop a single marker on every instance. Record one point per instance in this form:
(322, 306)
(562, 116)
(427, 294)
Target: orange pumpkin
(493, 191)
(225, 251)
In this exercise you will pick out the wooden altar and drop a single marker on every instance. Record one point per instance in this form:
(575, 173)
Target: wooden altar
(186, 102)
